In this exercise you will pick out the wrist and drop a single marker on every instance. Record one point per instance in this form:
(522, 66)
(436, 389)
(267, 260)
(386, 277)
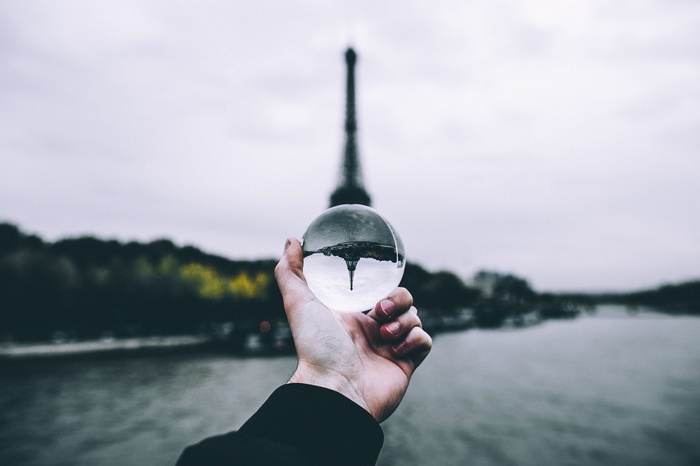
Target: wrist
(332, 380)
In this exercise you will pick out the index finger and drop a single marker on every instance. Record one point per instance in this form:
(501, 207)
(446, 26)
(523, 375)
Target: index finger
(398, 302)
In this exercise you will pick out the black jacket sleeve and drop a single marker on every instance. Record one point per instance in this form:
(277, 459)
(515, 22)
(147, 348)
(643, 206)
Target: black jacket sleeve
(298, 425)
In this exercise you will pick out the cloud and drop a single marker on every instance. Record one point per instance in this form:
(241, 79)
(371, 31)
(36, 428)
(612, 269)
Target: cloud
(556, 141)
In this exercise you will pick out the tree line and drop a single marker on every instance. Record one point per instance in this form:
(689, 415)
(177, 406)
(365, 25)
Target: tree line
(87, 288)
(677, 298)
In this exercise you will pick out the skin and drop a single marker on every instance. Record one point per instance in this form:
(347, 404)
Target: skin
(369, 358)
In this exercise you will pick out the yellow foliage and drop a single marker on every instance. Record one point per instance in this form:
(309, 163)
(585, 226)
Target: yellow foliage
(211, 285)
(245, 286)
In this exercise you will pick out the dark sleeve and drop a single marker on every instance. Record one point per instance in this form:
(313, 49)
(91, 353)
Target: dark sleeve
(298, 425)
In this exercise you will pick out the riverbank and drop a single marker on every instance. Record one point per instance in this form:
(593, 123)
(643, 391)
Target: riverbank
(132, 345)
(262, 338)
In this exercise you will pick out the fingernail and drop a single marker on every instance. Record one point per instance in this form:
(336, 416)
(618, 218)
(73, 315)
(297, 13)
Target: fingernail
(393, 327)
(398, 348)
(387, 307)
(286, 245)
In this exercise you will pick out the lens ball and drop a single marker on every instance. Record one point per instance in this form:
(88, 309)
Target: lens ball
(353, 258)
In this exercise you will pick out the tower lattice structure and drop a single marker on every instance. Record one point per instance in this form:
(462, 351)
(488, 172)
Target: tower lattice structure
(350, 189)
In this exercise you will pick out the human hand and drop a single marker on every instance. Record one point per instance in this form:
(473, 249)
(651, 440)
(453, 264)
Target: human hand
(369, 358)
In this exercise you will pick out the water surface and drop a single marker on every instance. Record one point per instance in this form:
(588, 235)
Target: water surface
(607, 389)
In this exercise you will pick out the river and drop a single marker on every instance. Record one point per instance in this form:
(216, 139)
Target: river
(603, 389)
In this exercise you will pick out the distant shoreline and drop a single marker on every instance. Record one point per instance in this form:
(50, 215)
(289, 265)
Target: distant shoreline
(252, 346)
(130, 345)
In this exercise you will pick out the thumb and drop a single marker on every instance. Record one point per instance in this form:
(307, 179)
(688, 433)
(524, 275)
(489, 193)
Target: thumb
(289, 274)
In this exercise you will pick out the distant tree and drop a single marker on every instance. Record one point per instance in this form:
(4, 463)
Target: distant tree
(12, 239)
(503, 286)
(437, 290)
(85, 287)
(675, 298)
(504, 296)
(510, 287)
(448, 292)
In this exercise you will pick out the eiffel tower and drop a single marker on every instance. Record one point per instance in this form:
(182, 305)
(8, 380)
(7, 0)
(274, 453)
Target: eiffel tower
(350, 189)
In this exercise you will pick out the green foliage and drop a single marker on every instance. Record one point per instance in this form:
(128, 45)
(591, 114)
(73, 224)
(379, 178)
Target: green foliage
(86, 287)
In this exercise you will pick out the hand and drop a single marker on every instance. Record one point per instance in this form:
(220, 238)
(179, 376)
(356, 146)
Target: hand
(369, 358)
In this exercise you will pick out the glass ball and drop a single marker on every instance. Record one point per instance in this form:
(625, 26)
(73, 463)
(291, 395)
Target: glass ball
(353, 258)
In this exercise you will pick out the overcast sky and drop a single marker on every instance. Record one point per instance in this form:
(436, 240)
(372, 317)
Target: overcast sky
(559, 141)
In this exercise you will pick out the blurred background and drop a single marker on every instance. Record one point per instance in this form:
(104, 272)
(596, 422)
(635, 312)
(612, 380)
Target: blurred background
(539, 160)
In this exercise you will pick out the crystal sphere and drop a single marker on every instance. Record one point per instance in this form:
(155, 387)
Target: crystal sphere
(353, 258)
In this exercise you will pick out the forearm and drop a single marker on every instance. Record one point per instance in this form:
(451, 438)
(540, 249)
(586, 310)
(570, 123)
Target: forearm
(320, 422)
(299, 424)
